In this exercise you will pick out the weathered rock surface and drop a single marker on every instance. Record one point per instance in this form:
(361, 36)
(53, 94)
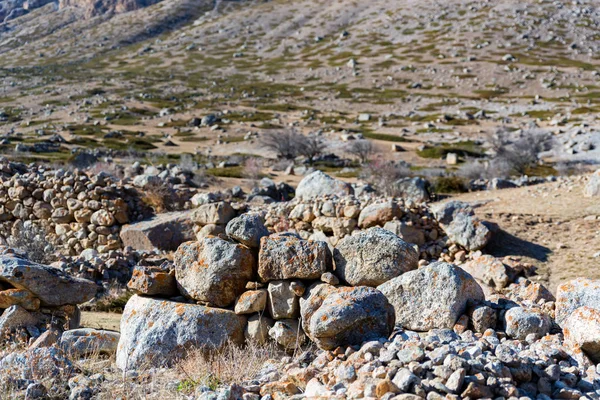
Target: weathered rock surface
(251, 301)
(521, 322)
(373, 257)
(247, 229)
(213, 270)
(582, 331)
(333, 316)
(213, 213)
(164, 232)
(153, 281)
(319, 184)
(489, 270)
(431, 297)
(285, 256)
(84, 341)
(468, 231)
(406, 232)
(415, 190)
(378, 214)
(157, 332)
(574, 294)
(52, 286)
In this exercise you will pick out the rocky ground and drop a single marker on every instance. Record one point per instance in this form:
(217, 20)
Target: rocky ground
(299, 199)
(338, 293)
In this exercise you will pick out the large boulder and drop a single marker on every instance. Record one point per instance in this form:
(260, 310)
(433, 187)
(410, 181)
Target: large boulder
(592, 188)
(415, 190)
(343, 316)
(158, 332)
(582, 332)
(574, 294)
(372, 257)
(431, 297)
(51, 285)
(286, 256)
(319, 184)
(164, 232)
(213, 213)
(213, 270)
(378, 214)
(247, 229)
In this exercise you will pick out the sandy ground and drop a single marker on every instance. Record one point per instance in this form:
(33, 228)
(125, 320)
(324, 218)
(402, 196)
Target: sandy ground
(100, 320)
(552, 226)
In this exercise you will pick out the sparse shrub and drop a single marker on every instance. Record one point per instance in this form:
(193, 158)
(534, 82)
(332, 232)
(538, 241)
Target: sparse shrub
(362, 149)
(33, 241)
(450, 184)
(383, 175)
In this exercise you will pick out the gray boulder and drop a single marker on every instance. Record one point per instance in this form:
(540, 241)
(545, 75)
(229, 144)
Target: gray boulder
(318, 184)
(372, 257)
(247, 229)
(574, 294)
(163, 231)
(415, 190)
(445, 213)
(159, 332)
(521, 322)
(468, 231)
(286, 256)
(80, 342)
(431, 297)
(51, 285)
(343, 316)
(213, 270)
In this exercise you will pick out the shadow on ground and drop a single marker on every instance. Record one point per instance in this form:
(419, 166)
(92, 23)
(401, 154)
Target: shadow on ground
(504, 244)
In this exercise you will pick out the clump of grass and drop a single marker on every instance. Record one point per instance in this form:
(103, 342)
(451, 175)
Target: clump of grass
(231, 365)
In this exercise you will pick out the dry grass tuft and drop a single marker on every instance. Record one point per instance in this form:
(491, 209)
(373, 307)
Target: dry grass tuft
(232, 365)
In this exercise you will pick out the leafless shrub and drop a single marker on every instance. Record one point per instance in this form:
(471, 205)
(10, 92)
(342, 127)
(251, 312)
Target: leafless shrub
(310, 146)
(383, 175)
(520, 154)
(289, 144)
(33, 240)
(283, 143)
(362, 149)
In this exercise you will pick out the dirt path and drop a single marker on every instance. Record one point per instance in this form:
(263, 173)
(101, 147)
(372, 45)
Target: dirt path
(551, 225)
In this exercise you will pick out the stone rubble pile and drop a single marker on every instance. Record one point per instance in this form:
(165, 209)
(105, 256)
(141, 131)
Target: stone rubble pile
(77, 211)
(291, 286)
